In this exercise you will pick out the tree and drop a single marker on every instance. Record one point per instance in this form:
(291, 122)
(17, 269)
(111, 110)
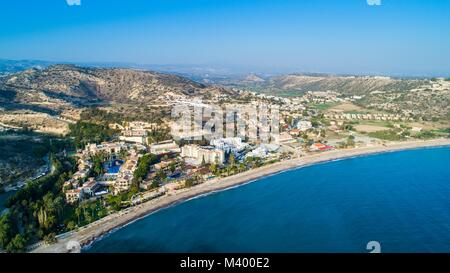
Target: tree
(50, 238)
(161, 175)
(289, 120)
(213, 168)
(232, 159)
(123, 154)
(78, 214)
(42, 218)
(98, 163)
(155, 184)
(71, 225)
(93, 209)
(5, 230)
(190, 182)
(17, 244)
(87, 216)
(143, 167)
(172, 167)
(58, 204)
(40, 151)
(348, 127)
(351, 141)
(203, 161)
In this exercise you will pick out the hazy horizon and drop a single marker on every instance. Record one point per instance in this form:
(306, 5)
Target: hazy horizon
(396, 38)
(224, 70)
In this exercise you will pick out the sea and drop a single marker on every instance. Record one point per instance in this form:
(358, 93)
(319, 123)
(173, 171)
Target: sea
(397, 201)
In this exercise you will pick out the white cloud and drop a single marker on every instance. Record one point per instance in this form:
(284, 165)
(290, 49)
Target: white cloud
(73, 2)
(374, 2)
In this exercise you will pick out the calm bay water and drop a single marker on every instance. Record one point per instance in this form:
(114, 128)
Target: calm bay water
(401, 200)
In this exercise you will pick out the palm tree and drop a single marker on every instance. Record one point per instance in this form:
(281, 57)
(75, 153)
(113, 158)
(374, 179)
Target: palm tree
(78, 214)
(232, 159)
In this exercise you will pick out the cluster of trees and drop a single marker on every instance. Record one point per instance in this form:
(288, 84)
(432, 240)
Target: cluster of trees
(10, 240)
(426, 135)
(86, 132)
(126, 113)
(39, 211)
(118, 202)
(190, 182)
(234, 166)
(151, 114)
(159, 134)
(99, 116)
(97, 161)
(143, 168)
(318, 120)
(348, 143)
(36, 212)
(87, 213)
(391, 135)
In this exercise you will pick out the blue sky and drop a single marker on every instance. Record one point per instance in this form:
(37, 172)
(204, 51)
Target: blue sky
(400, 37)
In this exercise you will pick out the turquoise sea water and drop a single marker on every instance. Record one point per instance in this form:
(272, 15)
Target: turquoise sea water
(401, 200)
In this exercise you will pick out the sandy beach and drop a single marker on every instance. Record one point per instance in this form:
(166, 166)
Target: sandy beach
(89, 233)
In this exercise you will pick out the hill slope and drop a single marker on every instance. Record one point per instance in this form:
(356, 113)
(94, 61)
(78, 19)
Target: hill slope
(71, 85)
(297, 84)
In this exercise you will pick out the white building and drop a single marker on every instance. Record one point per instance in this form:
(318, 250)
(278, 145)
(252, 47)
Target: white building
(304, 125)
(134, 139)
(231, 144)
(141, 125)
(197, 155)
(73, 196)
(134, 136)
(263, 151)
(164, 148)
(90, 187)
(109, 148)
(284, 138)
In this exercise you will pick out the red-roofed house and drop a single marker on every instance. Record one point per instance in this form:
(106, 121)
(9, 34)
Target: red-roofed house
(320, 147)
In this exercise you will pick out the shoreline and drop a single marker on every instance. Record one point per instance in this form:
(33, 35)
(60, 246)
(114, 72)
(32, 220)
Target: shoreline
(88, 234)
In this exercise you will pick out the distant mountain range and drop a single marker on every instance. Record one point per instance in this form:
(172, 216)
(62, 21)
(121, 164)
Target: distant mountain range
(297, 84)
(13, 66)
